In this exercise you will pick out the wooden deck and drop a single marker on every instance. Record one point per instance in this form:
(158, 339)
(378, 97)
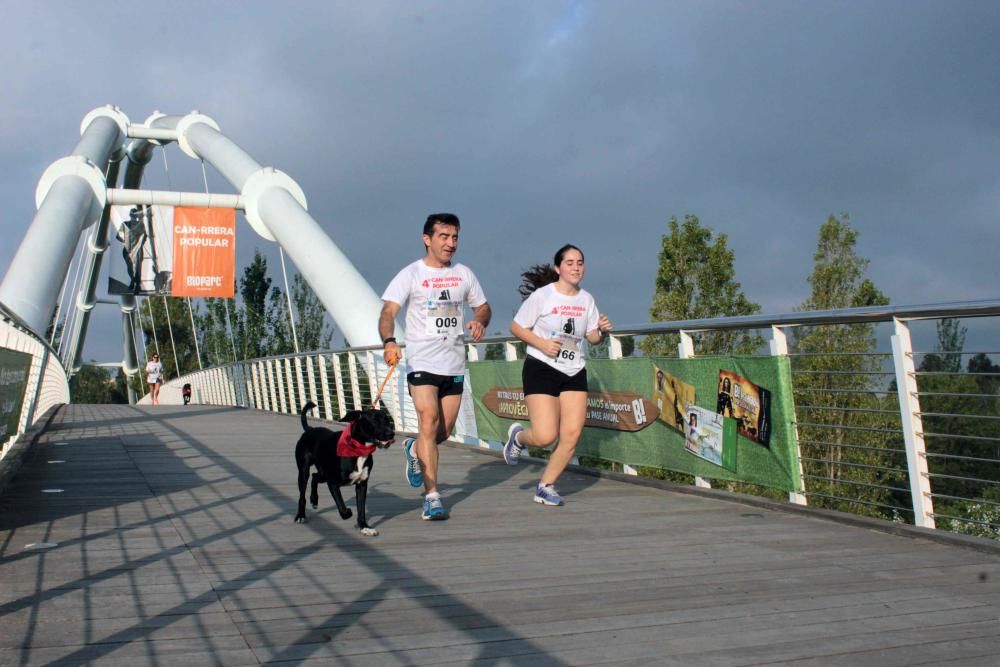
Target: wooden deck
(176, 546)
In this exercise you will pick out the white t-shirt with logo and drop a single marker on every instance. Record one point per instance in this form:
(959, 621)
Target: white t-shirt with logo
(550, 314)
(435, 314)
(154, 372)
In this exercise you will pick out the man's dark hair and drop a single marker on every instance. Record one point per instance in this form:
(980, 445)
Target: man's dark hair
(441, 218)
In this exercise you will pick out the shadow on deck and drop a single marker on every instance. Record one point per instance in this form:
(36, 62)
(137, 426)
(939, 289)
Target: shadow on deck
(164, 535)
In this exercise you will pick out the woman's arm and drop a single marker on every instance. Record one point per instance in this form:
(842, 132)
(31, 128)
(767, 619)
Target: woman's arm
(548, 346)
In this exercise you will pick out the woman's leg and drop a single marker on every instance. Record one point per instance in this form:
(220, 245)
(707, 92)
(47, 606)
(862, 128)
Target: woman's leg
(543, 411)
(572, 405)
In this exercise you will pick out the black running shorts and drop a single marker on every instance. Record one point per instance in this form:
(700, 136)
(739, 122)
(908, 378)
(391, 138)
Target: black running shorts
(537, 377)
(447, 385)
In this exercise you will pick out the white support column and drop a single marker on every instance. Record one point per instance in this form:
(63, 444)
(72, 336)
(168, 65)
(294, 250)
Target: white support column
(324, 382)
(338, 380)
(276, 209)
(685, 350)
(510, 351)
(779, 348)
(913, 427)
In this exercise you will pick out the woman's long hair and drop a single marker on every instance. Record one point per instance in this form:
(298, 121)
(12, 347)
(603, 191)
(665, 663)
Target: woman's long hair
(541, 275)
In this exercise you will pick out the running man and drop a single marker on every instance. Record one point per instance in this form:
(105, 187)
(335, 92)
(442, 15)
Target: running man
(434, 290)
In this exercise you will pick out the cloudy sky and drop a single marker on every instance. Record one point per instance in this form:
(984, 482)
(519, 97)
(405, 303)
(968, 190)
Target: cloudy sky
(546, 122)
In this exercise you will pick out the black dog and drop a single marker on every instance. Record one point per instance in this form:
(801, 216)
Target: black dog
(318, 446)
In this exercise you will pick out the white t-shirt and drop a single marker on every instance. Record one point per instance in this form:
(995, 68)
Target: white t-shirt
(154, 372)
(435, 314)
(550, 314)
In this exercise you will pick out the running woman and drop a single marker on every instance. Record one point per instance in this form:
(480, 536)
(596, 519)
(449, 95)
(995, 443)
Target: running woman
(154, 378)
(556, 321)
(436, 289)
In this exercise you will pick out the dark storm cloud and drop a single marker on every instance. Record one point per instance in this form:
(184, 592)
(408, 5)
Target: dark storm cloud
(546, 122)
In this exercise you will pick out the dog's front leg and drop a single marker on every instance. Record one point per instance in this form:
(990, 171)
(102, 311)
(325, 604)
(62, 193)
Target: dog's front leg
(345, 511)
(361, 498)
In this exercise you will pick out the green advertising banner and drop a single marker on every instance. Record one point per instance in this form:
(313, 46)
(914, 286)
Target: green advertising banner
(715, 417)
(14, 367)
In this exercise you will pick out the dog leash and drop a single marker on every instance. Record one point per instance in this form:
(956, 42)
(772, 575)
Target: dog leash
(378, 396)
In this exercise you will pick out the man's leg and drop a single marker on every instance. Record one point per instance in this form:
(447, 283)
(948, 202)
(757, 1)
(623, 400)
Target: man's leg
(428, 406)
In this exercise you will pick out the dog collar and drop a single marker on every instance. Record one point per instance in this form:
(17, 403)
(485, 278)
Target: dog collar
(348, 446)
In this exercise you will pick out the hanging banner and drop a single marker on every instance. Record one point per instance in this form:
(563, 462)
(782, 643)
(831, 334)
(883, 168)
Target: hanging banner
(144, 263)
(625, 423)
(204, 252)
(14, 368)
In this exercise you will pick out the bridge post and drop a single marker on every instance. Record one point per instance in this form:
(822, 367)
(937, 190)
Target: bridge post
(913, 426)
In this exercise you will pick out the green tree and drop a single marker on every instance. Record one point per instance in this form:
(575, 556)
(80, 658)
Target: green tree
(696, 280)
(170, 332)
(260, 313)
(848, 426)
(314, 331)
(94, 384)
(961, 444)
(213, 319)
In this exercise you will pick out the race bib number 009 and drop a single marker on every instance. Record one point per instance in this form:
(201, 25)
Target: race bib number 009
(444, 318)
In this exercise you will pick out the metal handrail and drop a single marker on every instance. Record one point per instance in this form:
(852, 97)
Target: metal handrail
(339, 379)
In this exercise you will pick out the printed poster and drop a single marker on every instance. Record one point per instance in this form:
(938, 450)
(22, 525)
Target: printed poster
(710, 436)
(142, 259)
(748, 404)
(14, 367)
(671, 395)
(204, 252)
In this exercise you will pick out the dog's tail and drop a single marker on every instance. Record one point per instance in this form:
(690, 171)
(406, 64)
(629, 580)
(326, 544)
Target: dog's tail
(305, 409)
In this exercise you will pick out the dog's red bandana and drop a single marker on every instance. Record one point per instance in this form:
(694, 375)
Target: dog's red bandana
(348, 446)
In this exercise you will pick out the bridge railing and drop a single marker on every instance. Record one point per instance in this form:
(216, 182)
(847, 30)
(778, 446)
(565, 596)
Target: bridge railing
(897, 433)
(32, 378)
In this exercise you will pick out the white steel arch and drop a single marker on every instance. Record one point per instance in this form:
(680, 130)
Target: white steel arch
(75, 191)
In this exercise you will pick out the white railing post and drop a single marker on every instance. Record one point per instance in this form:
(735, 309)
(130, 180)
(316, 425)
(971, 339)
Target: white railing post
(338, 386)
(311, 379)
(685, 350)
(913, 428)
(272, 381)
(779, 348)
(285, 386)
(615, 348)
(352, 372)
(324, 383)
(299, 380)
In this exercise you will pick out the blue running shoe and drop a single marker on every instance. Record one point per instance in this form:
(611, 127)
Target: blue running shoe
(512, 450)
(434, 510)
(546, 494)
(414, 475)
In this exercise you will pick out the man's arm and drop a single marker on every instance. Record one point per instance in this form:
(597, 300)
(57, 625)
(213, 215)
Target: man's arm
(481, 316)
(386, 329)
